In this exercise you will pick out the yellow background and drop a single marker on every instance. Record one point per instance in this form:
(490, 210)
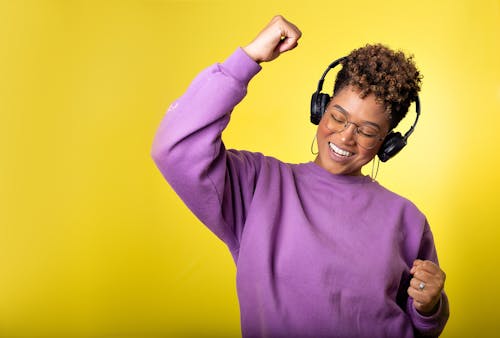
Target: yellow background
(93, 241)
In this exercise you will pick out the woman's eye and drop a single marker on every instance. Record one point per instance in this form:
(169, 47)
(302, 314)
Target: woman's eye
(338, 118)
(368, 132)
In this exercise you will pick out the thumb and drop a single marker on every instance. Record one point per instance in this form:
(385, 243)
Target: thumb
(288, 43)
(290, 36)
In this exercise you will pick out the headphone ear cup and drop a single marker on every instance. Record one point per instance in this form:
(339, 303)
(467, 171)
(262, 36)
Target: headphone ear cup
(393, 143)
(319, 101)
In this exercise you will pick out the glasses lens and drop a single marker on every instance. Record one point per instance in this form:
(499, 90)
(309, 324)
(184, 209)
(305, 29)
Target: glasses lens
(367, 136)
(337, 121)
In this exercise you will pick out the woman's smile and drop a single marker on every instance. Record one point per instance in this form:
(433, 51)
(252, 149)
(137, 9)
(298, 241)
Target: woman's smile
(339, 151)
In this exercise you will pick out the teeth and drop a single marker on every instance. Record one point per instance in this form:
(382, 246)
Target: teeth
(339, 151)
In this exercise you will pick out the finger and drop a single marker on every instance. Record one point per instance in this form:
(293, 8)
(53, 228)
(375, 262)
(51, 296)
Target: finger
(437, 276)
(420, 285)
(416, 295)
(290, 35)
(429, 266)
(434, 280)
(418, 305)
(425, 276)
(429, 294)
(287, 44)
(290, 31)
(421, 307)
(420, 297)
(423, 303)
(416, 263)
(287, 28)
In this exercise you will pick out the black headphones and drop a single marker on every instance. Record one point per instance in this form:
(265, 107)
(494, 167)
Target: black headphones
(393, 142)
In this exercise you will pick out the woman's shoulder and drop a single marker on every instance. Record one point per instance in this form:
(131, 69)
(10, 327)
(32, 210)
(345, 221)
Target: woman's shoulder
(395, 199)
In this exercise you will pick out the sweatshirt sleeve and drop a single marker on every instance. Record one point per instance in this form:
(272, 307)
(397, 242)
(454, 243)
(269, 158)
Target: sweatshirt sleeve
(429, 326)
(188, 150)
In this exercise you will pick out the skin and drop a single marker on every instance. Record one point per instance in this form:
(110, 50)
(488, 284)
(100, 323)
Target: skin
(360, 111)
(280, 36)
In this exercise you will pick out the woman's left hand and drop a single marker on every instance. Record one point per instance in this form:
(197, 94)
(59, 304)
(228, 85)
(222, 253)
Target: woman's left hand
(426, 286)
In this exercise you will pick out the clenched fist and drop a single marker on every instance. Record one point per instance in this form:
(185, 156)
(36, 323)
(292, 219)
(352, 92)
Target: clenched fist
(277, 37)
(426, 286)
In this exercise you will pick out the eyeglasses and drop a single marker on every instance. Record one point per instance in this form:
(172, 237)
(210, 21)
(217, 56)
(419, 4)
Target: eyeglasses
(366, 135)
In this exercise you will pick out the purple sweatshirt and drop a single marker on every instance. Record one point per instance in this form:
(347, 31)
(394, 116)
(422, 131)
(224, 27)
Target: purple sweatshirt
(317, 254)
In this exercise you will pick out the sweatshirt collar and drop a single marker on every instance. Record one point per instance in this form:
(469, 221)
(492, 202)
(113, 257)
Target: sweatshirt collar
(343, 179)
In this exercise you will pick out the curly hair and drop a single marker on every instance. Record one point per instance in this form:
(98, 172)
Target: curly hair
(390, 75)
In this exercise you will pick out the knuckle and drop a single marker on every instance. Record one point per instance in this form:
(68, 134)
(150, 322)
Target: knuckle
(428, 264)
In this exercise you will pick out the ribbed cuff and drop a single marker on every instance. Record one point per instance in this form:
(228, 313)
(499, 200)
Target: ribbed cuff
(241, 66)
(434, 323)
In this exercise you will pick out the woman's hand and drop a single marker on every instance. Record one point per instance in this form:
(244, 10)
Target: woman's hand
(426, 286)
(277, 37)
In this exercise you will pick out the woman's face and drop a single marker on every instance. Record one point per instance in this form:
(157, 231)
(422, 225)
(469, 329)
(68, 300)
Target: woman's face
(340, 152)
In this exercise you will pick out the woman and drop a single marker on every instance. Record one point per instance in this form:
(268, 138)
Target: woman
(320, 249)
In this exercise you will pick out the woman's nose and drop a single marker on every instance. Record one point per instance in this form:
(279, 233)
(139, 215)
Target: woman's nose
(348, 134)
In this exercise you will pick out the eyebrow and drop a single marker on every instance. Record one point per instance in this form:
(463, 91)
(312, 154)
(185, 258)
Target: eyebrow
(342, 110)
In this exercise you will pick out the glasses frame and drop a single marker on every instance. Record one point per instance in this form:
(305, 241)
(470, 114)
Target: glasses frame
(356, 130)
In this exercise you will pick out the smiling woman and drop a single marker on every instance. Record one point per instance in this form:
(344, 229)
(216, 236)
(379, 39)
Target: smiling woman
(94, 243)
(317, 245)
(345, 146)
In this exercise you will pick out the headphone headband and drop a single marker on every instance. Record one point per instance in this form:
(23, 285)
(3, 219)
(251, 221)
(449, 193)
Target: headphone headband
(417, 110)
(331, 66)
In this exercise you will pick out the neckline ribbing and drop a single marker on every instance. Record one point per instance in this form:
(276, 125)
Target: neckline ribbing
(344, 179)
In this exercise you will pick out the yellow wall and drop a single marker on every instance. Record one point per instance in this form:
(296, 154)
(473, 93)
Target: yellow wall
(93, 242)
